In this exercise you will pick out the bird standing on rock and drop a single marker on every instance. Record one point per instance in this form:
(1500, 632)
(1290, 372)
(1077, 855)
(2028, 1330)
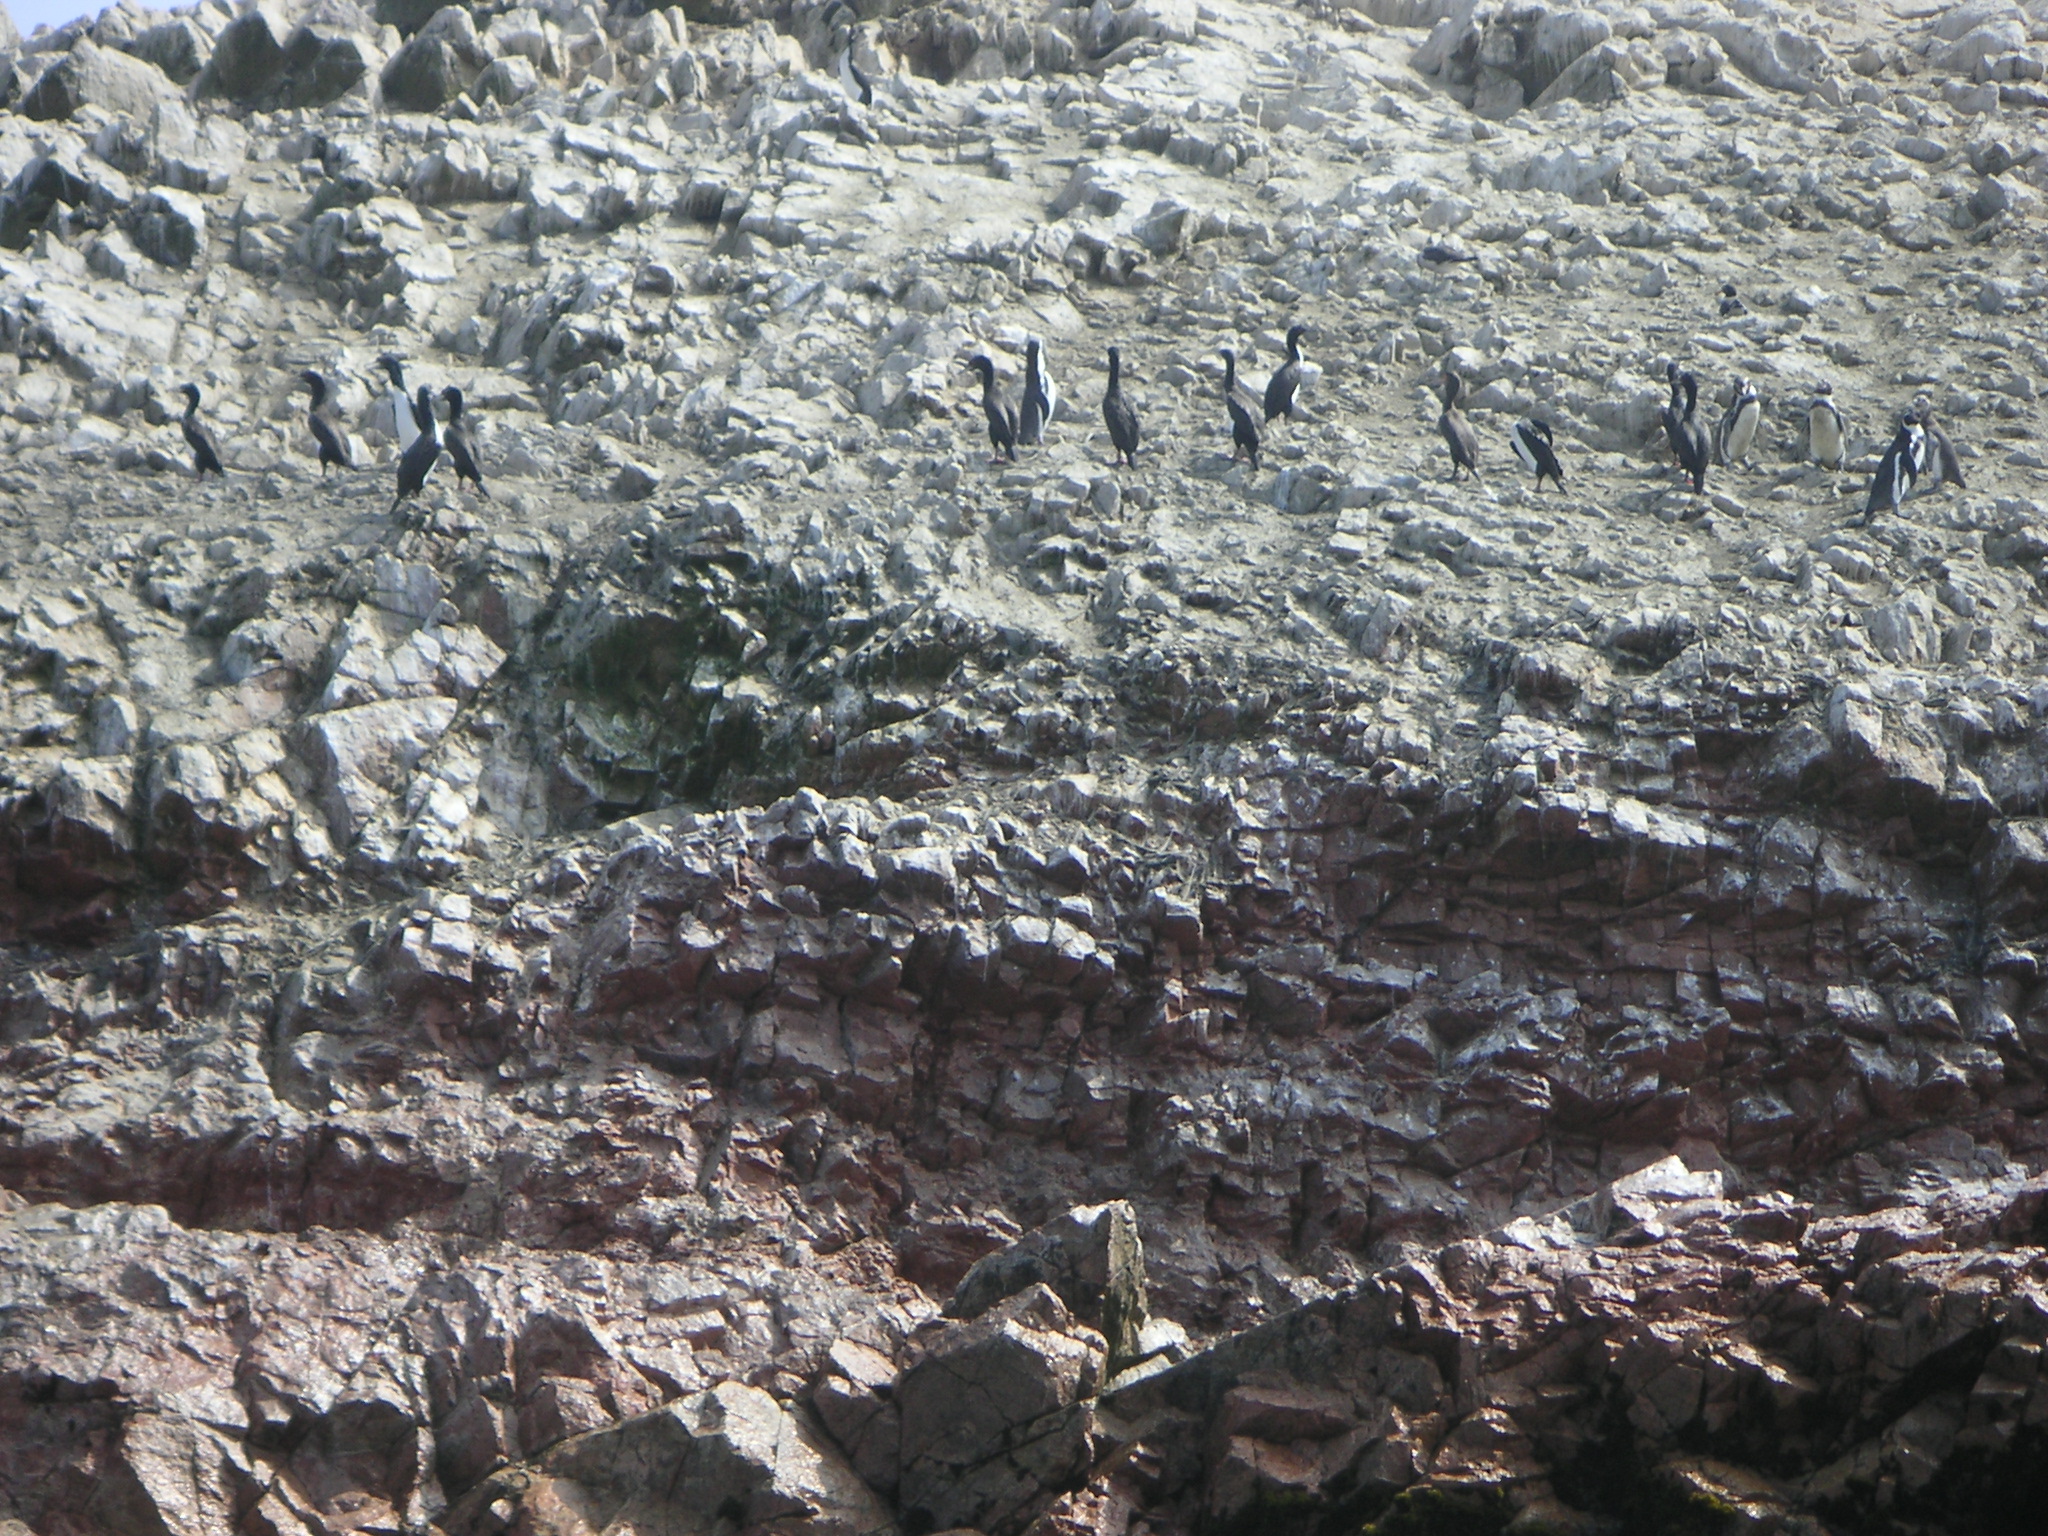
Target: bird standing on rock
(1695, 449)
(1456, 429)
(1286, 378)
(332, 453)
(1535, 448)
(1826, 435)
(415, 463)
(456, 441)
(204, 455)
(403, 424)
(1731, 306)
(1041, 396)
(1737, 432)
(1118, 413)
(1941, 453)
(1244, 425)
(1673, 413)
(1002, 416)
(1898, 469)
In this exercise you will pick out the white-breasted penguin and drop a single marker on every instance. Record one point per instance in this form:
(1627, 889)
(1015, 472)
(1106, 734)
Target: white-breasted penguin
(1286, 378)
(1737, 432)
(403, 417)
(1941, 453)
(1041, 396)
(1535, 448)
(1827, 436)
(1456, 429)
(204, 456)
(851, 80)
(1244, 421)
(1898, 469)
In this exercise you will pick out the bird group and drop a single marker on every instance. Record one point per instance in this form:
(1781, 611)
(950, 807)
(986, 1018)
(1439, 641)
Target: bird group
(422, 438)
(1918, 447)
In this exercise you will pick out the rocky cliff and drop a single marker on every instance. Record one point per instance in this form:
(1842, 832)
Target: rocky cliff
(775, 975)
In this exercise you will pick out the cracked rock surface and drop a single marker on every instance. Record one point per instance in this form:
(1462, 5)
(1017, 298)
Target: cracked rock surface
(777, 975)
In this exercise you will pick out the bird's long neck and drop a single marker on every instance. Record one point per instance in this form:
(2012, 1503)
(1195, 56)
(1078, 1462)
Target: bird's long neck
(1454, 391)
(319, 387)
(191, 407)
(1116, 365)
(454, 409)
(1293, 347)
(1229, 375)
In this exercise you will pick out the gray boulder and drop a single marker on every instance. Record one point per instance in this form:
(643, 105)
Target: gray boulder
(178, 47)
(1092, 1259)
(169, 227)
(90, 75)
(997, 1417)
(268, 57)
(441, 62)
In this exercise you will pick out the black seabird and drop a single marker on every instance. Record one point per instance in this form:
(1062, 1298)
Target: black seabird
(1534, 447)
(403, 418)
(1445, 255)
(1898, 469)
(332, 453)
(1118, 413)
(1002, 416)
(204, 456)
(1286, 378)
(1244, 425)
(1730, 304)
(1673, 413)
(1826, 436)
(456, 441)
(1941, 453)
(1041, 396)
(1737, 432)
(417, 460)
(1456, 429)
(1694, 447)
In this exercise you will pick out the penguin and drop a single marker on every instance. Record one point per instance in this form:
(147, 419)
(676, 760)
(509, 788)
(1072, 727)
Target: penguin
(1826, 435)
(1441, 255)
(1737, 432)
(1941, 453)
(1002, 416)
(1896, 471)
(851, 80)
(1534, 447)
(1695, 446)
(1673, 413)
(415, 463)
(1244, 425)
(1118, 413)
(332, 453)
(1456, 429)
(204, 455)
(1286, 378)
(1041, 396)
(402, 409)
(456, 441)
(1731, 306)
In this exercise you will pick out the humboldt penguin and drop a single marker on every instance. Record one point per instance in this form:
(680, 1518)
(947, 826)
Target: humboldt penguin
(416, 461)
(1737, 432)
(1456, 429)
(1673, 413)
(1119, 414)
(1731, 306)
(1695, 447)
(1286, 378)
(1041, 396)
(1941, 453)
(1898, 469)
(1244, 424)
(1826, 435)
(1002, 416)
(332, 453)
(204, 456)
(1535, 448)
(456, 441)
(403, 420)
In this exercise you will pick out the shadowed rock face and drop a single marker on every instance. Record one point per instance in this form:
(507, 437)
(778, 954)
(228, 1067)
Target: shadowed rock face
(776, 976)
